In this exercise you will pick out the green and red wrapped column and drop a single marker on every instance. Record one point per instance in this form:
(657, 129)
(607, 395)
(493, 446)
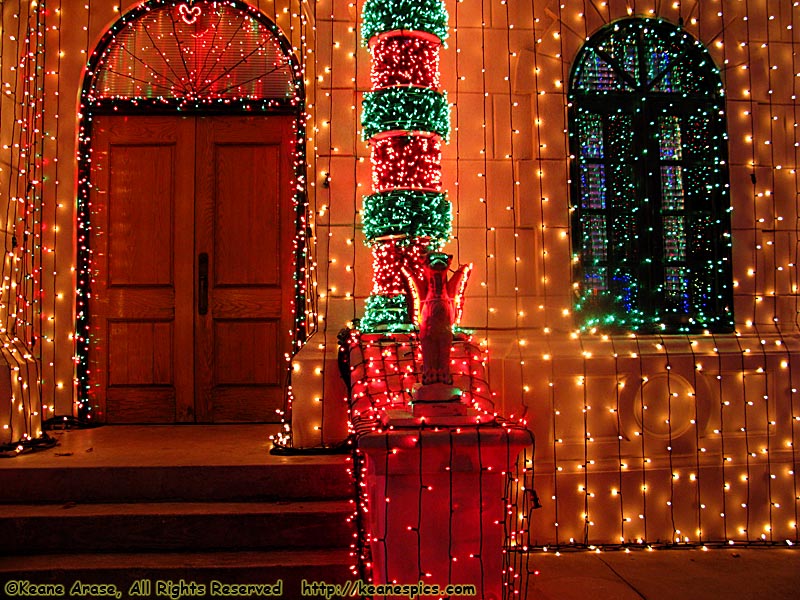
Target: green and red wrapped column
(405, 118)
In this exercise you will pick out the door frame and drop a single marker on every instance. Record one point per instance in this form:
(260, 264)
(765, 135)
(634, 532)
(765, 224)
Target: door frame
(90, 107)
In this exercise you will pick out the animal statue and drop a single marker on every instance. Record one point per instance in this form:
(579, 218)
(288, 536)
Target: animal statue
(436, 306)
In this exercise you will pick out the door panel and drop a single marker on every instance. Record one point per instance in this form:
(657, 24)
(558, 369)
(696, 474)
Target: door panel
(140, 353)
(166, 190)
(134, 169)
(246, 353)
(141, 317)
(244, 223)
(247, 209)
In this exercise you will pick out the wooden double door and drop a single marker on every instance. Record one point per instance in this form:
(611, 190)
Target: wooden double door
(192, 231)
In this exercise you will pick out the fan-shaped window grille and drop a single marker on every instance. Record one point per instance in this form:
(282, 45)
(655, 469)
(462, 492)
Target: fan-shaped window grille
(200, 51)
(650, 205)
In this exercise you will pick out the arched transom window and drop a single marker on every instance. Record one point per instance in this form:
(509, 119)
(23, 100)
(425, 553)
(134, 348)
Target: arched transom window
(650, 205)
(198, 51)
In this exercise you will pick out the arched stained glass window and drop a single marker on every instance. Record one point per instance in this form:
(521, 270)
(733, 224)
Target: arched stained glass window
(198, 51)
(650, 204)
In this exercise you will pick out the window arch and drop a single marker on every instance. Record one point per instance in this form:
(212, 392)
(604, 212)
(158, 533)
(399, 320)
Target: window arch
(650, 204)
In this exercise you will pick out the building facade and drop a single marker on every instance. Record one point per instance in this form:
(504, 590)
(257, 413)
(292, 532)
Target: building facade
(623, 178)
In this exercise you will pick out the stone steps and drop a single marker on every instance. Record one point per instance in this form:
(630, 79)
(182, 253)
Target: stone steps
(142, 527)
(101, 513)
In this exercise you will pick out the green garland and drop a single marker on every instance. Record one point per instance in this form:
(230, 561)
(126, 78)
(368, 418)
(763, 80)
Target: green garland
(385, 313)
(408, 212)
(379, 16)
(405, 109)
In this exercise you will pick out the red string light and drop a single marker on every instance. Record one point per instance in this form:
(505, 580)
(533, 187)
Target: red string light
(405, 58)
(403, 161)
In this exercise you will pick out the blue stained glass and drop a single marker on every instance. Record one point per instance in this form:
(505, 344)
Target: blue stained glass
(671, 187)
(593, 185)
(594, 280)
(658, 60)
(676, 287)
(626, 286)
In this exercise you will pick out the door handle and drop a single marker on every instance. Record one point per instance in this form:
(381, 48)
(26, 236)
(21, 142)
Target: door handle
(202, 283)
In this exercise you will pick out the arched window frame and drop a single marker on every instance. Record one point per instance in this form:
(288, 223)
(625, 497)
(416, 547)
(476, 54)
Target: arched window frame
(650, 209)
(93, 104)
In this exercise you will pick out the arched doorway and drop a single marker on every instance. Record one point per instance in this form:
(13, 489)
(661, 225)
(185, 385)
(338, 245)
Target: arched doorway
(191, 217)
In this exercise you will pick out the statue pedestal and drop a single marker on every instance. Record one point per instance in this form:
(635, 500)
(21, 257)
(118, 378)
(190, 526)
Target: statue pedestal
(436, 504)
(437, 400)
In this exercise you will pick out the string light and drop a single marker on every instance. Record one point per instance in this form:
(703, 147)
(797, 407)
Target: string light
(763, 264)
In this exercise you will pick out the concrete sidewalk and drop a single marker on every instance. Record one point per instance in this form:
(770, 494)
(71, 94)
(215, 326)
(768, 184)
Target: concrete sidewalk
(732, 574)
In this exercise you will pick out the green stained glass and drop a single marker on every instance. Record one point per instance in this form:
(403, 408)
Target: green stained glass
(676, 288)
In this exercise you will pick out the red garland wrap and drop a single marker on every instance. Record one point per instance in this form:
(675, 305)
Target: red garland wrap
(403, 161)
(389, 258)
(408, 58)
(385, 368)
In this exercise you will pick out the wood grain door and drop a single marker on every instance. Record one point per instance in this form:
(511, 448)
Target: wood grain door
(192, 228)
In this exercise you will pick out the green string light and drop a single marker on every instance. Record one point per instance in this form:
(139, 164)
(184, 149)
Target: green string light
(379, 16)
(407, 212)
(385, 313)
(405, 109)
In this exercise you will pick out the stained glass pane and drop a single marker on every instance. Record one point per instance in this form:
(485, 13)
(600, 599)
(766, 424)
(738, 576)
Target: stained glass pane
(593, 186)
(596, 74)
(676, 288)
(622, 48)
(590, 130)
(674, 239)
(594, 280)
(594, 240)
(671, 188)
(659, 58)
(669, 138)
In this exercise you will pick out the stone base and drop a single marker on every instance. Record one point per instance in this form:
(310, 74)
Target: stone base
(398, 418)
(446, 408)
(436, 392)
